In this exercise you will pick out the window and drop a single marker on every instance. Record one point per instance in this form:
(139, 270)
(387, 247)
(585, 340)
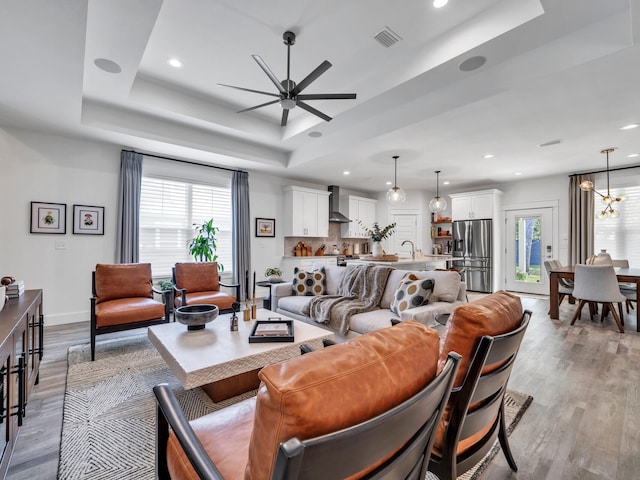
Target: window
(169, 208)
(620, 236)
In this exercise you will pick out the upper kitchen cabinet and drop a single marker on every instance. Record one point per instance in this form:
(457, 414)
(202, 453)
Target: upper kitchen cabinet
(475, 205)
(306, 212)
(359, 208)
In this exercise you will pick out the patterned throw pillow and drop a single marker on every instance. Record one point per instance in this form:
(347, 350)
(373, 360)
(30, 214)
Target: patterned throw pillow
(412, 292)
(309, 283)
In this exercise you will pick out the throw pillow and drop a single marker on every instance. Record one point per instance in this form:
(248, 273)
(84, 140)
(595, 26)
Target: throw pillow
(309, 283)
(411, 292)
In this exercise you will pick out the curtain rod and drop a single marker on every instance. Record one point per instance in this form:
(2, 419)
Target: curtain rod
(186, 161)
(605, 170)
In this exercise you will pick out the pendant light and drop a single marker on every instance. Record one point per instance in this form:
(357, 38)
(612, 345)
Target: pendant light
(395, 195)
(607, 199)
(437, 203)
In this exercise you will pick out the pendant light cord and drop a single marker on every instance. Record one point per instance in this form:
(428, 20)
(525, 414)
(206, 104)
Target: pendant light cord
(437, 183)
(395, 171)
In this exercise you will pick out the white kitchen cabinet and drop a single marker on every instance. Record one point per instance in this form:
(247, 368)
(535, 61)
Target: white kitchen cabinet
(359, 208)
(475, 205)
(306, 212)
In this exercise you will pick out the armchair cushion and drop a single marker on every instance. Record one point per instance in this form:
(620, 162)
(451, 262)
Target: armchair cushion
(222, 299)
(118, 281)
(323, 392)
(495, 314)
(197, 277)
(128, 310)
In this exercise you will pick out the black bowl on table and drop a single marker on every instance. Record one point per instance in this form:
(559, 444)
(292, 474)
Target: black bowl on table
(195, 317)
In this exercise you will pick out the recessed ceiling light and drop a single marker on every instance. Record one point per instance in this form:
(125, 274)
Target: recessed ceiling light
(633, 155)
(175, 63)
(346, 172)
(516, 174)
(488, 155)
(447, 182)
(630, 126)
(439, 3)
(315, 134)
(472, 63)
(389, 183)
(107, 65)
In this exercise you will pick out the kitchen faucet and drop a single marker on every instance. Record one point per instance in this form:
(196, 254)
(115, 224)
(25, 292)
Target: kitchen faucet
(413, 248)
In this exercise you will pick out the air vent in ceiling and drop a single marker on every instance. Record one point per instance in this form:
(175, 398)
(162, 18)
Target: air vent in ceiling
(548, 144)
(387, 37)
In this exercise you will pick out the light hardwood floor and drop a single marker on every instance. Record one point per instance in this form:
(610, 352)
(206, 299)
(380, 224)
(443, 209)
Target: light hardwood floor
(584, 422)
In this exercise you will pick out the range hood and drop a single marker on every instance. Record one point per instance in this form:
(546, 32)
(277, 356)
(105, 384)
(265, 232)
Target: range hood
(334, 206)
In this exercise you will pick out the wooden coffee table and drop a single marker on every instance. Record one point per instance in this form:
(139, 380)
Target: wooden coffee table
(223, 362)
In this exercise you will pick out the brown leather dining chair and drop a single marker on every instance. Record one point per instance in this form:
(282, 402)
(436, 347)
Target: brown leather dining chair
(199, 283)
(122, 299)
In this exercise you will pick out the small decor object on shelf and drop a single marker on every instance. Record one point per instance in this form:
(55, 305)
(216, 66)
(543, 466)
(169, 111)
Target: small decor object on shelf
(48, 217)
(273, 274)
(195, 317)
(88, 220)
(15, 289)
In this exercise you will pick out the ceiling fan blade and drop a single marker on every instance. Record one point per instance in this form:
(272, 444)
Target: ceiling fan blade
(250, 90)
(317, 113)
(285, 116)
(258, 106)
(269, 73)
(327, 96)
(320, 69)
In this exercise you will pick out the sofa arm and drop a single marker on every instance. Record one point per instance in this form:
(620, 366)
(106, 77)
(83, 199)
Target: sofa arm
(462, 293)
(279, 290)
(426, 314)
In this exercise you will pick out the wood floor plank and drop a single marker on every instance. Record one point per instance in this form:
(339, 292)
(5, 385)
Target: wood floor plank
(584, 422)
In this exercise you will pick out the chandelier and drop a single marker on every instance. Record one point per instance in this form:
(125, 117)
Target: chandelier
(395, 195)
(607, 199)
(437, 203)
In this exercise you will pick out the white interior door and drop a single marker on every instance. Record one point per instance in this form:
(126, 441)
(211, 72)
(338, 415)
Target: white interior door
(406, 229)
(529, 241)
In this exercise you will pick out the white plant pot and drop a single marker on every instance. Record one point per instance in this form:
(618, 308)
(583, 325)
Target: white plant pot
(376, 249)
(274, 278)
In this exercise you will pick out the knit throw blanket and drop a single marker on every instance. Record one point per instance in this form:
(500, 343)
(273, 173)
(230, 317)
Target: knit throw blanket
(360, 290)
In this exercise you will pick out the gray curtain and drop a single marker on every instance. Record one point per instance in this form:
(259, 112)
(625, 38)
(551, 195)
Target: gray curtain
(581, 219)
(127, 241)
(241, 231)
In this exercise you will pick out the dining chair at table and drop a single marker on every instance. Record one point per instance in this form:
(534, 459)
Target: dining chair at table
(629, 290)
(598, 284)
(565, 286)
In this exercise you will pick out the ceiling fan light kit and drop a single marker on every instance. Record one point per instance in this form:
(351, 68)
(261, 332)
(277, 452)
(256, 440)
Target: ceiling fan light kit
(289, 93)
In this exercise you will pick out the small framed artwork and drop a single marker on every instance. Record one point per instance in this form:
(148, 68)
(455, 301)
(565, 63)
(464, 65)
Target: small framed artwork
(48, 217)
(88, 220)
(265, 227)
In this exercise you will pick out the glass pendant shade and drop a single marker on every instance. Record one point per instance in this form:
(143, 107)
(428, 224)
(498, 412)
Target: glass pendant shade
(395, 195)
(586, 186)
(437, 203)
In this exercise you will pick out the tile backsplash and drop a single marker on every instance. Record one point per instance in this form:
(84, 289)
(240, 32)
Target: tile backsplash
(334, 238)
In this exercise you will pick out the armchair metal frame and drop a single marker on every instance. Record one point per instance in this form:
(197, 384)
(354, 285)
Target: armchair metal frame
(405, 434)
(485, 393)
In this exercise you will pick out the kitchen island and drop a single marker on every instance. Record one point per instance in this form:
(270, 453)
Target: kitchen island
(426, 262)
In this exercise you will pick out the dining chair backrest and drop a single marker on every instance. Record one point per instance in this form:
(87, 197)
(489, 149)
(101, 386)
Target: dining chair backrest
(566, 285)
(603, 258)
(620, 263)
(597, 283)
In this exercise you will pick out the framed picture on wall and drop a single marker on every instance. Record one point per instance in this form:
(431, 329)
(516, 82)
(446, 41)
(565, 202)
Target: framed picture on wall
(88, 220)
(265, 227)
(48, 217)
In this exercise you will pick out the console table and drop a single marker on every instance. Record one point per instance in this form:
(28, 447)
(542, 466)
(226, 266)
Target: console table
(21, 349)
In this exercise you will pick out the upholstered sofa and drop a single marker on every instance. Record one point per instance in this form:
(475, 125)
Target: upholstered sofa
(448, 292)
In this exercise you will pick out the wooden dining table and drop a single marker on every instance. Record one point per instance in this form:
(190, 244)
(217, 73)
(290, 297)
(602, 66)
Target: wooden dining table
(627, 275)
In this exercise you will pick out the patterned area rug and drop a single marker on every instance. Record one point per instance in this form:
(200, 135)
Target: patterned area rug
(108, 429)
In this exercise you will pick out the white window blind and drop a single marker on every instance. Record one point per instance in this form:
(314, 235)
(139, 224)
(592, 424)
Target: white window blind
(621, 236)
(169, 209)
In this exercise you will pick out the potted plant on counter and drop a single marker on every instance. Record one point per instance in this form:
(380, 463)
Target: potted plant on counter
(377, 234)
(273, 274)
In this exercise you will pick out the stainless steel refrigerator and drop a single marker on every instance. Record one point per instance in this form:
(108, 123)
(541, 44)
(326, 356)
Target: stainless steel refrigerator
(472, 251)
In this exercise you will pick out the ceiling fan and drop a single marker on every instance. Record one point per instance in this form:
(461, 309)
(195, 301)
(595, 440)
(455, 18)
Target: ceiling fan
(289, 92)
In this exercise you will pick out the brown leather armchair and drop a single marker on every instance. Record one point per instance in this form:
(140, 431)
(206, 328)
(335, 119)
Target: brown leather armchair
(199, 283)
(487, 333)
(122, 299)
(370, 405)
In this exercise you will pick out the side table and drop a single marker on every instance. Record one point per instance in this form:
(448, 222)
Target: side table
(266, 301)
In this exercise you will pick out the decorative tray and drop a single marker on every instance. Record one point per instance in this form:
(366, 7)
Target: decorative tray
(272, 331)
(386, 258)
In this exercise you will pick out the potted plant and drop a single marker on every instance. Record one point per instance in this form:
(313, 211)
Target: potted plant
(377, 234)
(203, 245)
(273, 274)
